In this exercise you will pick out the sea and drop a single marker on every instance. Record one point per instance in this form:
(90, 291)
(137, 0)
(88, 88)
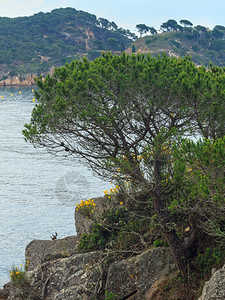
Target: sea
(38, 191)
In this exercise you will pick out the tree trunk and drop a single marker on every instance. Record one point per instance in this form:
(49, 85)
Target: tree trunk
(173, 240)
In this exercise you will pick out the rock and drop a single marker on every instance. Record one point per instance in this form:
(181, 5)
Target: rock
(214, 289)
(135, 276)
(11, 291)
(82, 276)
(39, 251)
(2, 295)
(28, 80)
(68, 278)
(58, 272)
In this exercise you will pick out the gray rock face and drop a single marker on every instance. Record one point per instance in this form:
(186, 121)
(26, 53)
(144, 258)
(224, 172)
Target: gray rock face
(136, 275)
(39, 251)
(67, 278)
(58, 272)
(82, 276)
(214, 289)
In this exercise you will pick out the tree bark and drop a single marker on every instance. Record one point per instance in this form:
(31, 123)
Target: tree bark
(173, 240)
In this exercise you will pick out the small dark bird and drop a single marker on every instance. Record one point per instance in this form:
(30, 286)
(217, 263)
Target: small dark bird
(54, 236)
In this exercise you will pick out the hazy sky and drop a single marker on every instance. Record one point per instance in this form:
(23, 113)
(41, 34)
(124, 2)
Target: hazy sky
(127, 13)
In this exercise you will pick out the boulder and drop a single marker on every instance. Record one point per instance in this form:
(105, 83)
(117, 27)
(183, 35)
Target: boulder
(2, 295)
(74, 277)
(28, 80)
(214, 289)
(39, 251)
(134, 277)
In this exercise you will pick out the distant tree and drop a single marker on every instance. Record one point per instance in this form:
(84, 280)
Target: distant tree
(200, 28)
(113, 25)
(220, 27)
(92, 54)
(104, 23)
(122, 46)
(112, 44)
(178, 28)
(170, 25)
(98, 44)
(186, 23)
(142, 29)
(133, 49)
(152, 30)
(218, 32)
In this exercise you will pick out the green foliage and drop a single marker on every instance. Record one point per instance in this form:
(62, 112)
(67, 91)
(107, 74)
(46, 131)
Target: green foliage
(142, 28)
(148, 41)
(195, 48)
(202, 44)
(133, 49)
(186, 23)
(18, 275)
(110, 296)
(104, 232)
(92, 54)
(158, 243)
(199, 185)
(211, 257)
(170, 25)
(121, 230)
(46, 39)
(123, 114)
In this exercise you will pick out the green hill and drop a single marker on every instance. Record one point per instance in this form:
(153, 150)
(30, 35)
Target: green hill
(202, 44)
(34, 44)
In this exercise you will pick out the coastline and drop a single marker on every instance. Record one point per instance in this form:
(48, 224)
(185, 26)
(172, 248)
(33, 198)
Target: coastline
(27, 80)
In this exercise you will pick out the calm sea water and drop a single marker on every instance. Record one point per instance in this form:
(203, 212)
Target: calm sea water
(38, 192)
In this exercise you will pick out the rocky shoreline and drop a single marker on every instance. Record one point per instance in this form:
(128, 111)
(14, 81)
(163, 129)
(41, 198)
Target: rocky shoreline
(28, 80)
(25, 80)
(58, 271)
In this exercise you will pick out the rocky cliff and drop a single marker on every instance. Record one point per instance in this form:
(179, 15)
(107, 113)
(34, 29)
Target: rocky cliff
(28, 80)
(58, 271)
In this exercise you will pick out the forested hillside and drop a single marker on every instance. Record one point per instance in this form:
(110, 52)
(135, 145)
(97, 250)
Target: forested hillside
(34, 44)
(201, 43)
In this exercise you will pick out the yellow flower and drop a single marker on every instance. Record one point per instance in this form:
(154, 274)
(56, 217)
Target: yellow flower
(121, 203)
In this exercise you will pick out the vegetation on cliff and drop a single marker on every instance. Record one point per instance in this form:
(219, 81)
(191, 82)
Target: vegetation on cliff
(204, 45)
(128, 118)
(34, 44)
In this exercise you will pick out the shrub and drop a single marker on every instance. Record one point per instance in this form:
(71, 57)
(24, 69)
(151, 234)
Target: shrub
(18, 275)
(212, 257)
(86, 207)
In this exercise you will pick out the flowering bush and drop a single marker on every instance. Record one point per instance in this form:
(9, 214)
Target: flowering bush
(86, 207)
(18, 275)
(111, 191)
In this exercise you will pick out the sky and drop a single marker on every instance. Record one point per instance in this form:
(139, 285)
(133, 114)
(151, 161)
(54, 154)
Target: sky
(127, 13)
